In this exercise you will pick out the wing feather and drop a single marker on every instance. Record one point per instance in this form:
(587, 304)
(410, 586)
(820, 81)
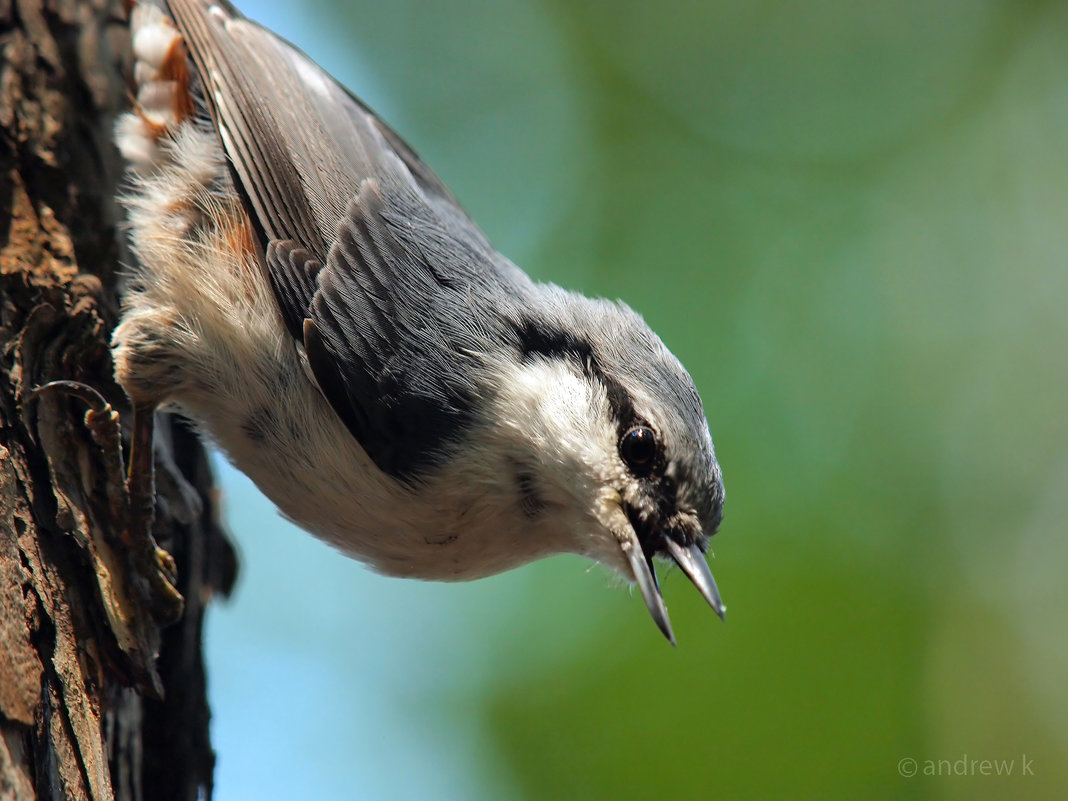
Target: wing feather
(376, 268)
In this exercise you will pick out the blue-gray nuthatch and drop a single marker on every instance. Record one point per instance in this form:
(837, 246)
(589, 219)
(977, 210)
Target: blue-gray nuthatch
(314, 297)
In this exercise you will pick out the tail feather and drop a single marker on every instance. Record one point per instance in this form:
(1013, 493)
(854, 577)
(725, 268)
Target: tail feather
(163, 92)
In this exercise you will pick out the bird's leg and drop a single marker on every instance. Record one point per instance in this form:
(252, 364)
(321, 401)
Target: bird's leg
(131, 495)
(151, 562)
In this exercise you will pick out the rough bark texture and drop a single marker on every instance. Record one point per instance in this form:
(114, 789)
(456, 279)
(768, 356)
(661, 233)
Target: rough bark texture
(86, 708)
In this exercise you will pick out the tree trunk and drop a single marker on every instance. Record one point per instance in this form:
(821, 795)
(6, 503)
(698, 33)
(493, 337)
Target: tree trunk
(87, 709)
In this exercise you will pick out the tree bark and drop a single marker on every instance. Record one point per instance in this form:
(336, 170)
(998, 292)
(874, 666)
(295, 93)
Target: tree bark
(98, 700)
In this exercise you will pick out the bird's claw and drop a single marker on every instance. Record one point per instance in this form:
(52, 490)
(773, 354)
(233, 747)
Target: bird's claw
(131, 497)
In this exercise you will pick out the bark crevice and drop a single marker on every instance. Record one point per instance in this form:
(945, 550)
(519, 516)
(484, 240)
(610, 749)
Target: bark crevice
(86, 708)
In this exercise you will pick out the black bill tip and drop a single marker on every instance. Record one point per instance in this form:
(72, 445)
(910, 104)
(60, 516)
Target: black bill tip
(645, 577)
(693, 564)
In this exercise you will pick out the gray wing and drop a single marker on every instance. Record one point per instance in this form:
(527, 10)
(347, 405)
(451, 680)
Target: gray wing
(376, 269)
(299, 142)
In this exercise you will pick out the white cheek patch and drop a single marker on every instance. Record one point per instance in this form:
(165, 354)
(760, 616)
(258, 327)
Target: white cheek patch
(548, 410)
(550, 402)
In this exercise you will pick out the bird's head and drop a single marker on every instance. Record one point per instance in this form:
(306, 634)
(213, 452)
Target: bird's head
(615, 452)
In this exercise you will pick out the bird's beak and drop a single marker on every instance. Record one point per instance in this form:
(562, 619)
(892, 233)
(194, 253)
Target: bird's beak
(641, 565)
(692, 562)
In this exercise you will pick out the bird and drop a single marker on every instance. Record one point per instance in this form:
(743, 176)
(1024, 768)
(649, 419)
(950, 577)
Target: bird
(312, 296)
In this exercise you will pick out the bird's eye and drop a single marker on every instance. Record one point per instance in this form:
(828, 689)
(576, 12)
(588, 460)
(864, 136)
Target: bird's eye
(638, 448)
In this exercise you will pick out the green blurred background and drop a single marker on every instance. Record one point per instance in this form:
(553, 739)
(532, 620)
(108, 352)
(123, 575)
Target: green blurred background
(848, 219)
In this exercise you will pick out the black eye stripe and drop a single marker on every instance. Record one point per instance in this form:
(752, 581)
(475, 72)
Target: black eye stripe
(628, 419)
(620, 402)
(535, 339)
